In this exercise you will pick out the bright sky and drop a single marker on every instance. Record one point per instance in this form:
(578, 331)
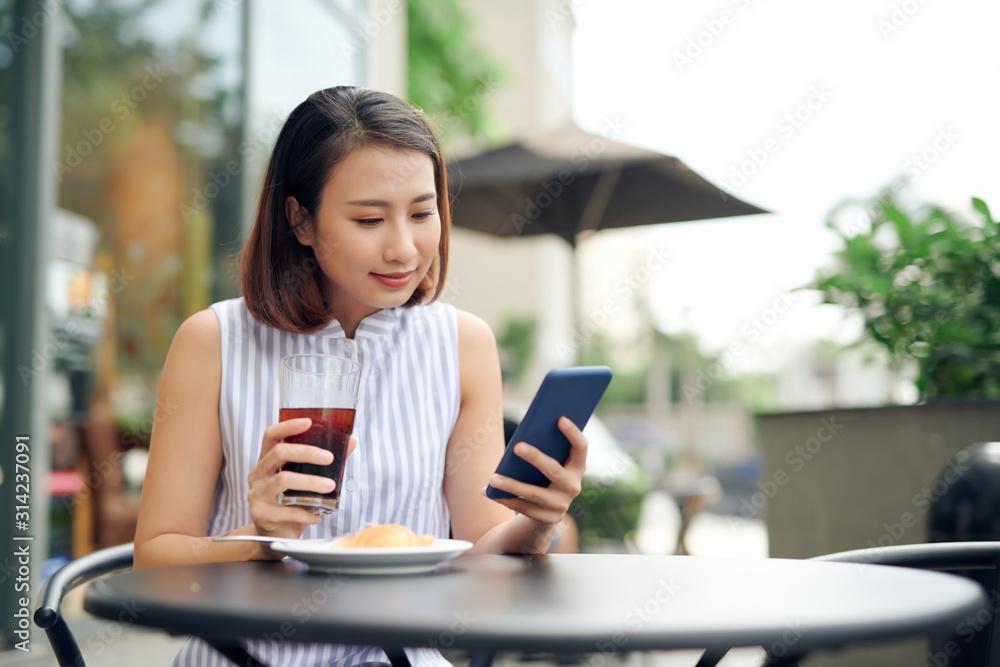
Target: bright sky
(833, 99)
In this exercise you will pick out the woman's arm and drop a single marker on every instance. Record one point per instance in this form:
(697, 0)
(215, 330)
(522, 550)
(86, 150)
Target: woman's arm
(185, 454)
(474, 451)
(185, 457)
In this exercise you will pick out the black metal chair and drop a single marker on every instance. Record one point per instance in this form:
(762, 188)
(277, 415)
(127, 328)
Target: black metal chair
(48, 612)
(976, 642)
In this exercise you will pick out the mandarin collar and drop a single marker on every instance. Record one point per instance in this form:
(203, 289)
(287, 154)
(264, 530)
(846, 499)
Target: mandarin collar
(375, 325)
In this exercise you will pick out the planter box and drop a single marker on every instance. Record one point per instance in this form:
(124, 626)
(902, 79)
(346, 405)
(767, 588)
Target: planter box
(849, 479)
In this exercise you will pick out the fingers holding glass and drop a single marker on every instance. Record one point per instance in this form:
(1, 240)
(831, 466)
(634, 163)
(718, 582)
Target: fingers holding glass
(324, 389)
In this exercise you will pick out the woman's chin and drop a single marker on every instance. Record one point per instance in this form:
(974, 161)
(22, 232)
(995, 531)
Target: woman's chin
(393, 300)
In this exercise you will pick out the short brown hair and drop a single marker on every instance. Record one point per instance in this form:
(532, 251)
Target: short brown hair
(280, 277)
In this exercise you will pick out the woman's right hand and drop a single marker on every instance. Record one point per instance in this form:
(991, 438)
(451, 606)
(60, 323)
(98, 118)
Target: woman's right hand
(268, 480)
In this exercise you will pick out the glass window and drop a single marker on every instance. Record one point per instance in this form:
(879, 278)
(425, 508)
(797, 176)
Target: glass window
(169, 112)
(292, 55)
(297, 53)
(152, 118)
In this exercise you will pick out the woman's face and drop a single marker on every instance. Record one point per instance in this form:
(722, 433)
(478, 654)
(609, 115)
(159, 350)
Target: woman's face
(377, 230)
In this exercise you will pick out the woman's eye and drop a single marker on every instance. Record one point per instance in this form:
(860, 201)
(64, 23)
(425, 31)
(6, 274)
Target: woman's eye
(369, 221)
(422, 215)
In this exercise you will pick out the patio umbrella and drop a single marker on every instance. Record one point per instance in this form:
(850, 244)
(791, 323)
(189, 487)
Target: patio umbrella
(571, 181)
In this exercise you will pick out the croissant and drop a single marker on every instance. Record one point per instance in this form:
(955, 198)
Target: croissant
(389, 535)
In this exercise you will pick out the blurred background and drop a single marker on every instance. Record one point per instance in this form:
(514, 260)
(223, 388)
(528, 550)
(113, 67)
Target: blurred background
(750, 352)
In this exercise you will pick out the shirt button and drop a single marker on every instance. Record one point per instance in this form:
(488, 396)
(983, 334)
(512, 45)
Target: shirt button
(350, 486)
(348, 346)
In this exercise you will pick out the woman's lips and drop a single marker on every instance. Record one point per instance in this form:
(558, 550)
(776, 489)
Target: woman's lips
(394, 280)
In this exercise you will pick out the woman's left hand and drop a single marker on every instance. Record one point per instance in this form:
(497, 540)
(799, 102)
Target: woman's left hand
(547, 504)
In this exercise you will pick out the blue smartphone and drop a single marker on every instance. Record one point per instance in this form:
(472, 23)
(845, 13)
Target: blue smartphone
(565, 392)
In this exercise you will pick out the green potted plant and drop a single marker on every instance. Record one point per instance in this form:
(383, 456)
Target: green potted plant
(927, 284)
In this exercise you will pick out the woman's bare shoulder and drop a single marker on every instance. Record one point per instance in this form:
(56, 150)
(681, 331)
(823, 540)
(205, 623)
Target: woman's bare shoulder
(478, 359)
(473, 331)
(198, 337)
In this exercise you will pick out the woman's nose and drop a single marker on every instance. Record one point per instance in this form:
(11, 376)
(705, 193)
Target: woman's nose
(401, 246)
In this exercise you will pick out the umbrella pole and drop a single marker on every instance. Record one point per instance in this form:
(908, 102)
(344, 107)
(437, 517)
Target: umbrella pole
(575, 310)
(593, 213)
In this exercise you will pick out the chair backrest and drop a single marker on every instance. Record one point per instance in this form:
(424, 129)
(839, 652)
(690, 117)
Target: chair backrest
(48, 613)
(976, 640)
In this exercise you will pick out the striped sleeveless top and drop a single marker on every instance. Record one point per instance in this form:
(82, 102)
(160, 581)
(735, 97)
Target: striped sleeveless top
(407, 408)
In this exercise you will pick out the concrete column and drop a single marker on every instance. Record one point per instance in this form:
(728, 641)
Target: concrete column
(27, 346)
(385, 57)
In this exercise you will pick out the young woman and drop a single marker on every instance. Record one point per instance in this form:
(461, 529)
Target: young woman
(347, 254)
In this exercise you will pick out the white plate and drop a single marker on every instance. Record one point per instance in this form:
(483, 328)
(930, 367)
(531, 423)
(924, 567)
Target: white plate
(405, 560)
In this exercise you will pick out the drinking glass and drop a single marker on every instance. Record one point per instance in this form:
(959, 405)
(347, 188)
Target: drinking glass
(325, 389)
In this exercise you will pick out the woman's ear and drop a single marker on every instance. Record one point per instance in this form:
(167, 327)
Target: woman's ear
(296, 215)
